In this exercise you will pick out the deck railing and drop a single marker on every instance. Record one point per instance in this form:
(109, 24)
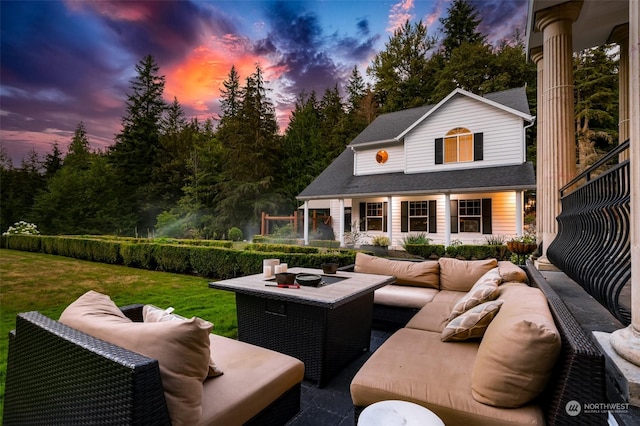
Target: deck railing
(593, 242)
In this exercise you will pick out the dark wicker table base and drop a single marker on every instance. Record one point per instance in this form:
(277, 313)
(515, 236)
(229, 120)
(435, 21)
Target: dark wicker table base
(326, 340)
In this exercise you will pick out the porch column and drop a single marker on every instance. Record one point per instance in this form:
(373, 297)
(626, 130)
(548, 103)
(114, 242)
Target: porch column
(626, 342)
(341, 222)
(390, 221)
(557, 157)
(306, 223)
(447, 220)
(541, 208)
(620, 35)
(519, 212)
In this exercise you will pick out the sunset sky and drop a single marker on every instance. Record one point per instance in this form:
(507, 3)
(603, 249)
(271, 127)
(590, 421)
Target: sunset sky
(63, 62)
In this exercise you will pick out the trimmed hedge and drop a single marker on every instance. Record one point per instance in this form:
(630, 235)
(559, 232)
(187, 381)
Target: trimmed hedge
(472, 252)
(209, 261)
(428, 251)
(280, 248)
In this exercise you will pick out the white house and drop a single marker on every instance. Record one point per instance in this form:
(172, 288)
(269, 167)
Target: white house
(453, 171)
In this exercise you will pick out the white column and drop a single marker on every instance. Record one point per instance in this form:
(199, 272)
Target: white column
(390, 221)
(558, 138)
(447, 220)
(519, 212)
(306, 223)
(541, 210)
(626, 342)
(341, 223)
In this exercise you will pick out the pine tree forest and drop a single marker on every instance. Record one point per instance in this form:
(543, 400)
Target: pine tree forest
(168, 175)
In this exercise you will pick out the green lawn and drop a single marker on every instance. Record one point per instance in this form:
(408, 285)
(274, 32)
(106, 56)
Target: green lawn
(46, 283)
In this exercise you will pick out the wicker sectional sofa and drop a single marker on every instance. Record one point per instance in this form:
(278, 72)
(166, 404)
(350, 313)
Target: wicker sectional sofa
(58, 374)
(520, 365)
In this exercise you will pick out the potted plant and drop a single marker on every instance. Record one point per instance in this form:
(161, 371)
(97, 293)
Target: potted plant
(352, 238)
(522, 246)
(379, 245)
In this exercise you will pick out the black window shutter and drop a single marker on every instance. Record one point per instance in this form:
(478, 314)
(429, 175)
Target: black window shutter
(432, 217)
(486, 216)
(363, 217)
(454, 216)
(439, 150)
(384, 216)
(478, 148)
(404, 216)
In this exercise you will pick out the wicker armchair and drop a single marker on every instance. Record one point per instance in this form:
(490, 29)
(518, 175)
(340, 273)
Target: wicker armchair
(59, 375)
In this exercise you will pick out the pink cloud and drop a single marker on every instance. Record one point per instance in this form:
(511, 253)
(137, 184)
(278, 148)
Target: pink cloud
(399, 14)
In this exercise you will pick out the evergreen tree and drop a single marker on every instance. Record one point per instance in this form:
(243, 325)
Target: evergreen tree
(78, 151)
(251, 156)
(231, 96)
(53, 162)
(401, 70)
(460, 26)
(135, 152)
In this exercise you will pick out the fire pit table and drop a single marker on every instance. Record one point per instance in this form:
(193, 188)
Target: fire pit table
(326, 327)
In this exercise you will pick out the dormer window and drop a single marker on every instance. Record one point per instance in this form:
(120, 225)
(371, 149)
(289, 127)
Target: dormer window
(459, 146)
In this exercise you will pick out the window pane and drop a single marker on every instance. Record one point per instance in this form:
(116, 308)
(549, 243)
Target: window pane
(466, 148)
(374, 224)
(417, 224)
(374, 209)
(418, 208)
(451, 150)
(469, 224)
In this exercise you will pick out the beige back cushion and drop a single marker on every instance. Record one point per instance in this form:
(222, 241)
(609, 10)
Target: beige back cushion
(511, 272)
(151, 313)
(461, 275)
(518, 351)
(419, 274)
(181, 348)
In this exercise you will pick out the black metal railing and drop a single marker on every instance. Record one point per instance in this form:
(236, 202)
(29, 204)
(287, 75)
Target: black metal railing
(593, 242)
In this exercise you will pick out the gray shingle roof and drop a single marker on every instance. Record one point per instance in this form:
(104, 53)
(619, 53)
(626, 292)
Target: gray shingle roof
(337, 181)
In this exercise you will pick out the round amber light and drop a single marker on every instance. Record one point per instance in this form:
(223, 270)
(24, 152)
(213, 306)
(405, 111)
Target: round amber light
(382, 156)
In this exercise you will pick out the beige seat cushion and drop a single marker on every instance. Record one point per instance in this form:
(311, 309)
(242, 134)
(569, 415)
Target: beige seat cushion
(151, 313)
(461, 275)
(422, 274)
(485, 289)
(404, 296)
(415, 366)
(435, 315)
(518, 351)
(181, 348)
(511, 272)
(471, 324)
(254, 378)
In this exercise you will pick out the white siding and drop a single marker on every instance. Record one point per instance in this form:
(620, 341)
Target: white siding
(503, 220)
(503, 135)
(366, 164)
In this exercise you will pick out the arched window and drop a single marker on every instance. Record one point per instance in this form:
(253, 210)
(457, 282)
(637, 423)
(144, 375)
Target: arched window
(458, 145)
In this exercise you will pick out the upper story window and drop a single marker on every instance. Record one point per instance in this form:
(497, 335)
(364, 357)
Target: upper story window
(459, 146)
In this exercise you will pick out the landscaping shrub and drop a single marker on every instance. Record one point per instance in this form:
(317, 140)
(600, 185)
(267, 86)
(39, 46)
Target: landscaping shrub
(281, 248)
(172, 258)
(472, 251)
(427, 251)
(235, 234)
(138, 255)
(23, 242)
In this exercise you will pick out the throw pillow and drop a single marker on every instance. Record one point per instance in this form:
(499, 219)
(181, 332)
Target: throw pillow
(517, 353)
(181, 348)
(417, 274)
(471, 324)
(460, 275)
(485, 289)
(151, 313)
(511, 272)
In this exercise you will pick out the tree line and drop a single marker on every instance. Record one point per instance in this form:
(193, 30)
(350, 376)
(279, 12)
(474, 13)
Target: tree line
(168, 175)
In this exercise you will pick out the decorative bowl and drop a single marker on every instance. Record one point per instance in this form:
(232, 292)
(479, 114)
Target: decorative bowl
(310, 280)
(285, 278)
(329, 268)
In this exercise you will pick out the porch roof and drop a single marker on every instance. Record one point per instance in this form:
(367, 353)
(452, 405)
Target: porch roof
(338, 181)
